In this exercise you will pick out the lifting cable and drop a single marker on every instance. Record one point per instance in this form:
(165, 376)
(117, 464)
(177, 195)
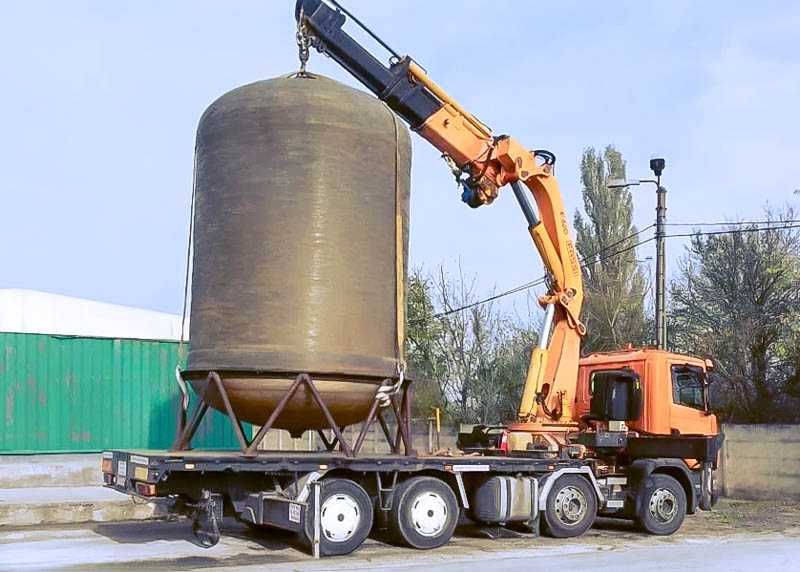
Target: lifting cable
(181, 343)
(188, 254)
(399, 255)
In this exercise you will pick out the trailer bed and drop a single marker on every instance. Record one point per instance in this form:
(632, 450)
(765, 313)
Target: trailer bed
(282, 489)
(208, 461)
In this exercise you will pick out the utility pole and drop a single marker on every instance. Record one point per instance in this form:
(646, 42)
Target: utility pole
(657, 166)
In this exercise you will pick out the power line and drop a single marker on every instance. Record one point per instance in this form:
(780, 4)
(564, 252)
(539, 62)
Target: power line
(733, 231)
(613, 244)
(776, 225)
(543, 279)
(537, 282)
(618, 252)
(520, 288)
(733, 223)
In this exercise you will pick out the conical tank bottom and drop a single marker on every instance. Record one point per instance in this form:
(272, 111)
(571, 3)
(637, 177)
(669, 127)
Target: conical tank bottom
(254, 398)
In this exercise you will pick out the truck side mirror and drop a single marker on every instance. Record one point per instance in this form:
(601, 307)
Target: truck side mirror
(709, 378)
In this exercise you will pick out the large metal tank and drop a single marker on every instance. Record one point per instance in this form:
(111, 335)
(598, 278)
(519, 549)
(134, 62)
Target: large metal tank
(300, 240)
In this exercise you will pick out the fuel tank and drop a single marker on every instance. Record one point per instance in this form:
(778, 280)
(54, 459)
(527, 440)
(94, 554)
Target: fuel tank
(300, 248)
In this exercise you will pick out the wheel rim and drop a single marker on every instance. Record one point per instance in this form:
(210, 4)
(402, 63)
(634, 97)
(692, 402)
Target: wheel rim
(429, 514)
(663, 505)
(571, 506)
(339, 517)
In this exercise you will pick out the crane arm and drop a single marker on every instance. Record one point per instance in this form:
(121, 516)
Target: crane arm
(483, 163)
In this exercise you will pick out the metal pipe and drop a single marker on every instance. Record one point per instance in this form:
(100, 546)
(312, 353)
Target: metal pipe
(214, 377)
(661, 219)
(183, 401)
(366, 426)
(521, 192)
(544, 333)
(262, 432)
(386, 432)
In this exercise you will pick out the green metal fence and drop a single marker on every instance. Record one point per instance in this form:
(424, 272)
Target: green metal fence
(64, 394)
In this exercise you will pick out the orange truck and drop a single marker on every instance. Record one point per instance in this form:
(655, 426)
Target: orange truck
(624, 434)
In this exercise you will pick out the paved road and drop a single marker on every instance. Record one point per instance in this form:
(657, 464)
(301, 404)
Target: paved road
(164, 546)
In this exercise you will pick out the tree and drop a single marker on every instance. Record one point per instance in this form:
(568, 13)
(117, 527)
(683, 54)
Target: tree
(736, 298)
(472, 359)
(614, 286)
(422, 334)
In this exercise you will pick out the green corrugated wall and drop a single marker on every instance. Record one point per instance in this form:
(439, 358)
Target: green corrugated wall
(63, 393)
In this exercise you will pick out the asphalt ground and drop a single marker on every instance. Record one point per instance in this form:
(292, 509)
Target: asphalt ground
(737, 535)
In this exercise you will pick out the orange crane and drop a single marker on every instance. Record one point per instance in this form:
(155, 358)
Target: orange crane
(484, 163)
(602, 406)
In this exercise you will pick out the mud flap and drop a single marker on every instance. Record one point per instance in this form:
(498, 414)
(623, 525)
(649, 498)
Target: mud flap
(708, 497)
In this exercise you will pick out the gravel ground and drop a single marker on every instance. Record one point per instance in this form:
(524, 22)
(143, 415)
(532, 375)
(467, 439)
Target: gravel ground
(728, 517)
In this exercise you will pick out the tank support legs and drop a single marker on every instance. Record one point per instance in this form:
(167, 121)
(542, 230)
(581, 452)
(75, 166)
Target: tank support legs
(402, 413)
(185, 436)
(303, 378)
(329, 445)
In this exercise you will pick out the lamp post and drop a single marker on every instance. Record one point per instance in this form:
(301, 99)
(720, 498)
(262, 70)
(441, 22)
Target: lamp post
(657, 166)
(648, 261)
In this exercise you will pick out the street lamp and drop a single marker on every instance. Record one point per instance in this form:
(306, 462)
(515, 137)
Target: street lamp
(657, 166)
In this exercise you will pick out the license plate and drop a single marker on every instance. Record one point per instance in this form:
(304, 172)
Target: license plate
(122, 469)
(294, 512)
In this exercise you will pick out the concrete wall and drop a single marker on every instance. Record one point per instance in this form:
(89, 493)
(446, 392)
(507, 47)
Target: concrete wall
(375, 441)
(760, 462)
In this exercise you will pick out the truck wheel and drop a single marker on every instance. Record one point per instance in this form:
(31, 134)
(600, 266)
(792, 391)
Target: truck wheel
(345, 517)
(424, 513)
(571, 507)
(662, 506)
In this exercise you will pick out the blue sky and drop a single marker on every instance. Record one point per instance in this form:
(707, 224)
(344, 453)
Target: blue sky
(100, 102)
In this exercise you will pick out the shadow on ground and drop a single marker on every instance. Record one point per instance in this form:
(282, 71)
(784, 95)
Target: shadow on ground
(181, 529)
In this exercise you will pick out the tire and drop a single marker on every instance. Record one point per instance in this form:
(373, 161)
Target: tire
(424, 513)
(571, 507)
(345, 517)
(662, 506)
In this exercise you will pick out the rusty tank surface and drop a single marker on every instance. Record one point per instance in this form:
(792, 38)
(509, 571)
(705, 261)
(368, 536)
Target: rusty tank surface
(300, 241)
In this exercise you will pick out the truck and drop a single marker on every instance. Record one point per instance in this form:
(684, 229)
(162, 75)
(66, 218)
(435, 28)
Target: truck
(625, 434)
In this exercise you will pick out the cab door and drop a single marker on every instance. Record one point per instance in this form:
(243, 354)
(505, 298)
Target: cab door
(689, 413)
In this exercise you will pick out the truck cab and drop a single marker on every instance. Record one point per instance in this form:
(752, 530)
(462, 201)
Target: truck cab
(674, 390)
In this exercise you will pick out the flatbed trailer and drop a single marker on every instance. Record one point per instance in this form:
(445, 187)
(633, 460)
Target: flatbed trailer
(333, 501)
(335, 498)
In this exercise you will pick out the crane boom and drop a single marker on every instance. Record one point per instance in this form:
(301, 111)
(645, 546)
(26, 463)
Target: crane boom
(483, 164)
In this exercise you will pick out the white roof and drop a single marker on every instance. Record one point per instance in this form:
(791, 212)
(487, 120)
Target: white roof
(34, 312)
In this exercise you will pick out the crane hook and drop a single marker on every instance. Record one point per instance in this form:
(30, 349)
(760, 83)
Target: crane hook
(303, 44)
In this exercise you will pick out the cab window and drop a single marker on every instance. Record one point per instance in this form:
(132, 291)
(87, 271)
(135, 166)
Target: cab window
(688, 387)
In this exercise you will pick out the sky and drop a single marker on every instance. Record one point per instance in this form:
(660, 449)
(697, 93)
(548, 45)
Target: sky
(100, 101)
